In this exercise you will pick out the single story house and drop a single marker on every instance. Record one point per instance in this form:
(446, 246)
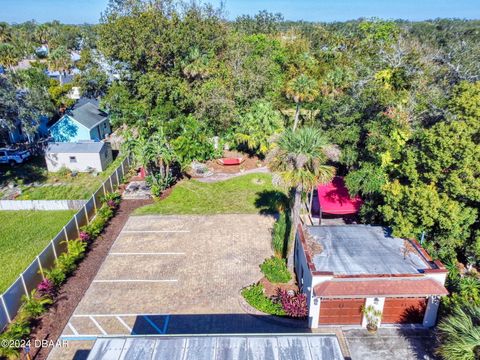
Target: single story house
(342, 268)
(80, 156)
(84, 122)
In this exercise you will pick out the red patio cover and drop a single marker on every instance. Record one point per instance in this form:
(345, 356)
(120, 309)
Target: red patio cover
(335, 199)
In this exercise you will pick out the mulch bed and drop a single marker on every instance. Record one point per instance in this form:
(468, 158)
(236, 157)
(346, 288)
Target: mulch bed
(250, 163)
(271, 289)
(50, 325)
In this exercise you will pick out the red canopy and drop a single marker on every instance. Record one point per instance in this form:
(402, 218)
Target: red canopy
(335, 199)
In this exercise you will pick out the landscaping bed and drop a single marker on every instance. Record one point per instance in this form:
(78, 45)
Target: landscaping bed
(247, 194)
(52, 323)
(23, 235)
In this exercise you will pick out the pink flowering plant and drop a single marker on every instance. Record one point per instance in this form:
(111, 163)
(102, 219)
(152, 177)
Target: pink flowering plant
(84, 235)
(294, 305)
(46, 287)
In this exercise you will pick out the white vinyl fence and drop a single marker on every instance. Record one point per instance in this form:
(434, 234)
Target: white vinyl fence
(10, 300)
(11, 205)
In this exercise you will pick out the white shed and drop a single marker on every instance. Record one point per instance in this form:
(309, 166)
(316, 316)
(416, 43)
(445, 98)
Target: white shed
(80, 156)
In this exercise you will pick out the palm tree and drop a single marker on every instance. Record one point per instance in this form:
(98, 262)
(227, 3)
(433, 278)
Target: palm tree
(60, 60)
(5, 32)
(299, 159)
(301, 89)
(459, 334)
(8, 56)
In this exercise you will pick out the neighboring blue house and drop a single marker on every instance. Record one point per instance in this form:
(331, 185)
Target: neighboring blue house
(18, 135)
(85, 122)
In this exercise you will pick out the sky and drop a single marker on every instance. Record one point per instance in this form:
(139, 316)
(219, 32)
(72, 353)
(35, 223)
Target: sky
(88, 11)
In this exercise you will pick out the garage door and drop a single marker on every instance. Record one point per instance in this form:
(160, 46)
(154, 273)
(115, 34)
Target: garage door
(341, 311)
(404, 310)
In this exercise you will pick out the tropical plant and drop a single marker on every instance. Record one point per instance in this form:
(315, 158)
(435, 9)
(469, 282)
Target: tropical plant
(275, 270)
(280, 234)
(46, 287)
(159, 183)
(459, 334)
(8, 55)
(301, 89)
(35, 304)
(257, 126)
(254, 295)
(373, 317)
(298, 158)
(294, 305)
(59, 59)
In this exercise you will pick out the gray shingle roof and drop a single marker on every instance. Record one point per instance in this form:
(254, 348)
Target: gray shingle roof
(78, 147)
(88, 115)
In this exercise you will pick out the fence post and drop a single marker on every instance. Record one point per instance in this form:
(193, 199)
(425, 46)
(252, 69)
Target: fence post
(94, 203)
(118, 178)
(54, 250)
(40, 267)
(76, 224)
(25, 286)
(86, 215)
(104, 191)
(65, 232)
(6, 310)
(123, 168)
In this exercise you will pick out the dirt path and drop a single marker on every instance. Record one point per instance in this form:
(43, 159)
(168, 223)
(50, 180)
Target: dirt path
(53, 322)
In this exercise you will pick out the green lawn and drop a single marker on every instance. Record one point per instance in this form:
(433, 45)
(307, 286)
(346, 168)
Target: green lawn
(23, 234)
(67, 187)
(247, 194)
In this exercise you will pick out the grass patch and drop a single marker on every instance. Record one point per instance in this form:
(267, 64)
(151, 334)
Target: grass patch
(66, 187)
(275, 270)
(23, 234)
(256, 298)
(281, 234)
(246, 194)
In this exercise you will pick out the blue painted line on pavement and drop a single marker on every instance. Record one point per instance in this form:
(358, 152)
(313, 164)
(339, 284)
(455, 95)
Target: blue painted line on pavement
(153, 324)
(165, 325)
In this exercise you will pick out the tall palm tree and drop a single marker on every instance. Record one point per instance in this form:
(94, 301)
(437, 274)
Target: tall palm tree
(459, 334)
(60, 60)
(301, 89)
(299, 159)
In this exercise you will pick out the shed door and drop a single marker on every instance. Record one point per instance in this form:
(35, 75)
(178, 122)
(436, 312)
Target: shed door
(341, 311)
(404, 310)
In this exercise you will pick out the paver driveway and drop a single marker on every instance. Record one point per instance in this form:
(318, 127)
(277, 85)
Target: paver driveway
(176, 274)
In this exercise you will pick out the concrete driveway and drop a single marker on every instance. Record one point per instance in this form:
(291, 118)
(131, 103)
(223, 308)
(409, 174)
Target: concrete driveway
(391, 344)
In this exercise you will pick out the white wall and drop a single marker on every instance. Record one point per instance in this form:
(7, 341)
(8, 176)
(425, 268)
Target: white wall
(83, 161)
(10, 205)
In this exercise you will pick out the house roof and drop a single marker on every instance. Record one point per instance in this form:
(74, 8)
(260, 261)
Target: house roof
(235, 347)
(88, 114)
(382, 288)
(363, 250)
(75, 147)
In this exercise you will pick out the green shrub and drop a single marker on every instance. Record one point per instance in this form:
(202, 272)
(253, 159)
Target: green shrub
(281, 234)
(35, 306)
(56, 275)
(256, 298)
(275, 270)
(158, 183)
(76, 249)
